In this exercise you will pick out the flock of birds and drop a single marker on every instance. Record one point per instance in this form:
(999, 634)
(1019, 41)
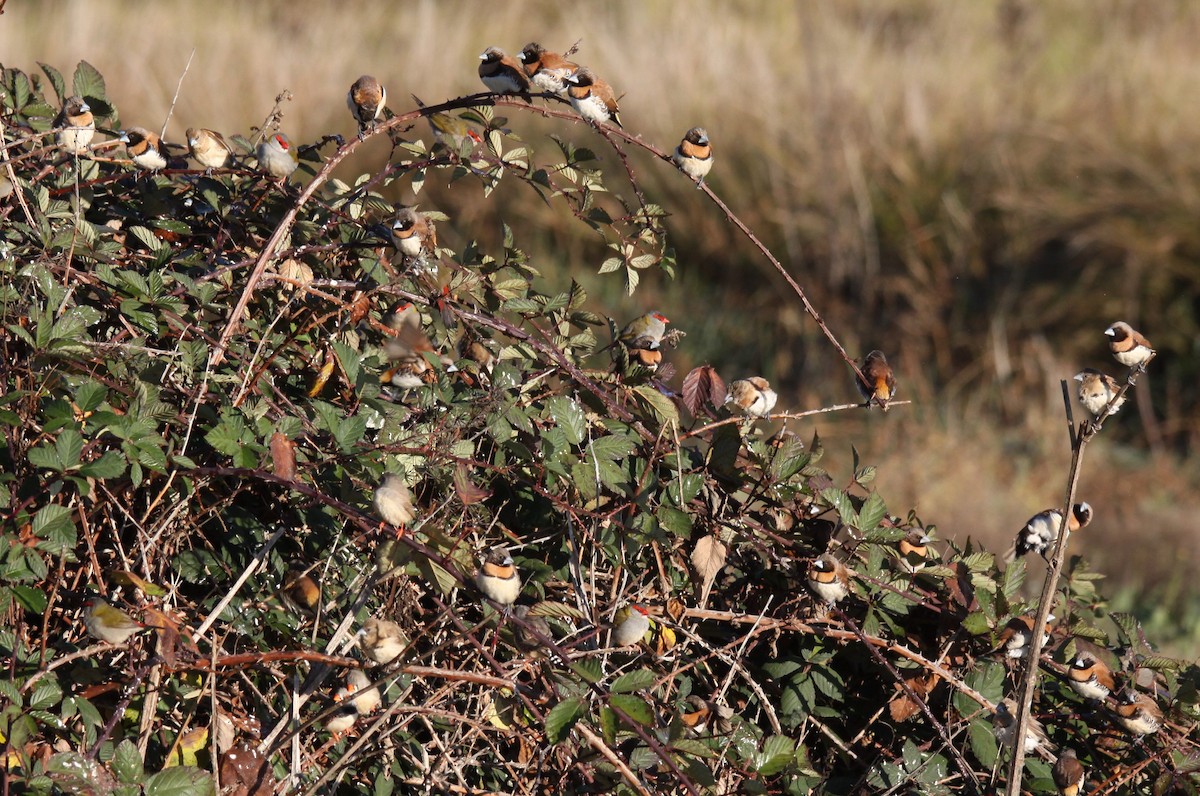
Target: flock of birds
(639, 344)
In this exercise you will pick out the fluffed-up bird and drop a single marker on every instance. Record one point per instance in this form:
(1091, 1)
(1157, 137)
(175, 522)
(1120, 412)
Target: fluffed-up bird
(1041, 531)
(527, 641)
(209, 148)
(880, 386)
(1004, 727)
(1096, 389)
(630, 624)
(1017, 633)
(1090, 677)
(752, 397)
(502, 73)
(301, 588)
(1068, 774)
(592, 98)
(414, 234)
(75, 125)
(829, 579)
(382, 640)
(366, 100)
(694, 155)
(547, 71)
(277, 156)
(1128, 346)
(498, 577)
(393, 502)
(358, 688)
(1138, 713)
(914, 551)
(145, 148)
(109, 623)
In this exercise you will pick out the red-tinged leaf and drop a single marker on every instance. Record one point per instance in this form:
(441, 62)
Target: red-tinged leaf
(467, 491)
(283, 456)
(702, 385)
(360, 305)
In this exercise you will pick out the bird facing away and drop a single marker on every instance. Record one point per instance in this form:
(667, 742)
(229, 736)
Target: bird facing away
(501, 73)
(1096, 389)
(277, 157)
(1004, 727)
(1017, 633)
(1128, 346)
(145, 148)
(381, 640)
(630, 624)
(106, 622)
(1090, 677)
(75, 125)
(1041, 531)
(366, 100)
(301, 589)
(592, 98)
(880, 386)
(1139, 714)
(393, 502)
(209, 148)
(546, 71)
(498, 577)
(1068, 774)
(694, 155)
(752, 397)
(829, 579)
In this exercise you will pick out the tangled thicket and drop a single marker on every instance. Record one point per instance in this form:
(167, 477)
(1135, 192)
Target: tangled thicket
(172, 448)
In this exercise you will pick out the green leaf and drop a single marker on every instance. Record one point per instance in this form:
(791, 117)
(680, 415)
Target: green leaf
(662, 406)
(634, 707)
(561, 718)
(88, 82)
(569, 417)
(180, 781)
(871, 513)
(589, 669)
(110, 465)
(637, 680)
(776, 755)
(56, 80)
(127, 763)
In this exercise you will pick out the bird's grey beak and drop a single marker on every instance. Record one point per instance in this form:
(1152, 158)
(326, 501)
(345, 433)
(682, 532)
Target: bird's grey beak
(1078, 377)
(85, 108)
(483, 57)
(124, 139)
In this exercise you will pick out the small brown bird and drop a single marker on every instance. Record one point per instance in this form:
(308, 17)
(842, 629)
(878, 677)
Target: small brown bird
(145, 148)
(752, 397)
(407, 348)
(1090, 677)
(592, 98)
(277, 157)
(1017, 633)
(829, 578)
(75, 125)
(108, 623)
(1068, 774)
(382, 640)
(1041, 531)
(366, 100)
(414, 235)
(546, 71)
(209, 149)
(1004, 727)
(1139, 713)
(498, 577)
(914, 551)
(502, 73)
(526, 641)
(1096, 389)
(393, 502)
(1128, 346)
(880, 385)
(630, 624)
(301, 589)
(694, 155)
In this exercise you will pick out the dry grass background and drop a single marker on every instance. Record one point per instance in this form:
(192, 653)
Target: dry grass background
(979, 187)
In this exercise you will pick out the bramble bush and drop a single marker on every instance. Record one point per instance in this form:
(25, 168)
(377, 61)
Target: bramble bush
(195, 409)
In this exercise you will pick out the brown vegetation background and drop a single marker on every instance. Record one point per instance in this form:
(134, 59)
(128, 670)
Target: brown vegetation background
(978, 188)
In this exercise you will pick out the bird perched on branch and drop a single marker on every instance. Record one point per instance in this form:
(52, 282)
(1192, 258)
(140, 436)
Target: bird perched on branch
(381, 640)
(591, 97)
(630, 625)
(209, 149)
(829, 579)
(694, 155)
(414, 235)
(914, 551)
(1041, 531)
(277, 156)
(75, 125)
(106, 622)
(546, 71)
(1068, 774)
(1090, 677)
(301, 589)
(641, 340)
(1096, 389)
(502, 73)
(1139, 713)
(1004, 727)
(407, 348)
(393, 502)
(498, 577)
(366, 100)
(145, 148)
(752, 397)
(1014, 639)
(1128, 346)
(880, 385)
